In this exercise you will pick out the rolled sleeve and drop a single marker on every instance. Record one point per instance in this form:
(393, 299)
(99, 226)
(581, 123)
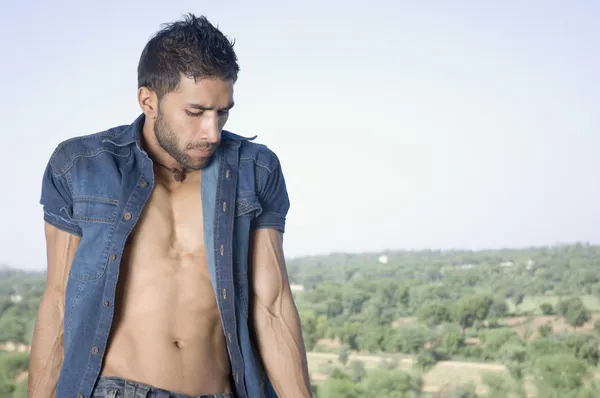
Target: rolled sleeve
(273, 197)
(57, 202)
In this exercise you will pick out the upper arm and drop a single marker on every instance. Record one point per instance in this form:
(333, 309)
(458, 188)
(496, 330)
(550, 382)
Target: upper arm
(272, 193)
(268, 270)
(267, 261)
(60, 250)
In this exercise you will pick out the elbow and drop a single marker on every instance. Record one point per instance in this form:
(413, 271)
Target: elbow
(53, 294)
(273, 308)
(52, 300)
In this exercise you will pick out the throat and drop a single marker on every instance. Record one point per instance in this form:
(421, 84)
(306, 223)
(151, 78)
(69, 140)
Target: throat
(178, 174)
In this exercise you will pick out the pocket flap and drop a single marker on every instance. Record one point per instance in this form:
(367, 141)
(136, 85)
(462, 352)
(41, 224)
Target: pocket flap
(247, 204)
(94, 209)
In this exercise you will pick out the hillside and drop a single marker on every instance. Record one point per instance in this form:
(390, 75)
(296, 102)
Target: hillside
(433, 323)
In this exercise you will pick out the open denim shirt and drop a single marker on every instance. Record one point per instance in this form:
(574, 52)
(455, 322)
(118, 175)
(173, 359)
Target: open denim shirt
(96, 186)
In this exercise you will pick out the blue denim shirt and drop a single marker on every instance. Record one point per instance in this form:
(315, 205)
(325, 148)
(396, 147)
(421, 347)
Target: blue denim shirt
(96, 187)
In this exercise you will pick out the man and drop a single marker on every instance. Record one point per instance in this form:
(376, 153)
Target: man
(188, 219)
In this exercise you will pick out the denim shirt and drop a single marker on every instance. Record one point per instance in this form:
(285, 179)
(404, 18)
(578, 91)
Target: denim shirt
(96, 187)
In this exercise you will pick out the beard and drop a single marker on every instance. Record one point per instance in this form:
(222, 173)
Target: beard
(169, 142)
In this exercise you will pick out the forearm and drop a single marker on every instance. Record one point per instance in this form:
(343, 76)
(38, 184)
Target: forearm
(282, 350)
(46, 354)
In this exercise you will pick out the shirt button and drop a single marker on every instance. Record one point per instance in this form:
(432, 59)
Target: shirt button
(224, 206)
(80, 395)
(237, 378)
(224, 294)
(222, 249)
(95, 350)
(106, 303)
(227, 174)
(127, 216)
(113, 257)
(143, 184)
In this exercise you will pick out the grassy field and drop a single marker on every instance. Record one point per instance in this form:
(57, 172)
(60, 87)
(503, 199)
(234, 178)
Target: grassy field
(445, 375)
(532, 303)
(525, 325)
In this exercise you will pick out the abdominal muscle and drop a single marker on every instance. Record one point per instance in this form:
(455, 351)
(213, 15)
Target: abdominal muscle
(167, 331)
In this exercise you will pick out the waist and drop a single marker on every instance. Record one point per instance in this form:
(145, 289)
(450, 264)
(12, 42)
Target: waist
(109, 387)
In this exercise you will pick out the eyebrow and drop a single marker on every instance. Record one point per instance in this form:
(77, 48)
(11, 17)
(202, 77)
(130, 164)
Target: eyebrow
(209, 108)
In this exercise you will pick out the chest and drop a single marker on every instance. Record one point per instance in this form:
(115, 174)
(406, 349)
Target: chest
(172, 220)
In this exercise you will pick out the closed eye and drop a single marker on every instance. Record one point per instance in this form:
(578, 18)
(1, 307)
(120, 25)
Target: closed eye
(194, 113)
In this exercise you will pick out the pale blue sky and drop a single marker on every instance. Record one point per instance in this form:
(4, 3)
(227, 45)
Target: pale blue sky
(405, 124)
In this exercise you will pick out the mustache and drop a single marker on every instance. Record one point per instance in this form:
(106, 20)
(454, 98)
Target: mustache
(200, 145)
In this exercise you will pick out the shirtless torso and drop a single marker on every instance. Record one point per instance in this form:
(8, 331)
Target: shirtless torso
(167, 331)
(164, 328)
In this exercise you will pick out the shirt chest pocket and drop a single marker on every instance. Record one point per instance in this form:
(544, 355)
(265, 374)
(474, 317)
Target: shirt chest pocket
(96, 216)
(94, 209)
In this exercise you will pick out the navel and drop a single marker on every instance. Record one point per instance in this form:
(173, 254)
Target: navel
(178, 344)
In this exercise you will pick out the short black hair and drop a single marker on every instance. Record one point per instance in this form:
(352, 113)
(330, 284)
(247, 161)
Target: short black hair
(192, 47)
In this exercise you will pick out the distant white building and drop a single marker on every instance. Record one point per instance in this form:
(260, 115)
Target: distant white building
(296, 287)
(383, 259)
(16, 298)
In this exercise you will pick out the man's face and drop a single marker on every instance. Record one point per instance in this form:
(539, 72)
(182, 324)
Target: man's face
(189, 120)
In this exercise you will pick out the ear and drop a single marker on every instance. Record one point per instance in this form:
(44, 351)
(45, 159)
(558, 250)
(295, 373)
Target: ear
(148, 101)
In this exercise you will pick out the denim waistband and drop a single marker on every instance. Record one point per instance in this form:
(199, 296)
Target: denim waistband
(116, 387)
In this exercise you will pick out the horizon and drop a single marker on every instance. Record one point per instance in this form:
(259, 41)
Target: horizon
(387, 252)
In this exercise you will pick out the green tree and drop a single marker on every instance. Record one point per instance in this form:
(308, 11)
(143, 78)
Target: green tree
(547, 309)
(392, 384)
(545, 330)
(344, 355)
(574, 311)
(491, 341)
(335, 388)
(433, 314)
(501, 386)
(559, 375)
(451, 340)
(20, 390)
(357, 370)
(470, 309)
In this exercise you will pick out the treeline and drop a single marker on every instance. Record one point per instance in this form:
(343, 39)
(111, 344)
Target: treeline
(429, 305)
(20, 294)
(345, 292)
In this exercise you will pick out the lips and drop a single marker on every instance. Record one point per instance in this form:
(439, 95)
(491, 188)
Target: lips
(202, 151)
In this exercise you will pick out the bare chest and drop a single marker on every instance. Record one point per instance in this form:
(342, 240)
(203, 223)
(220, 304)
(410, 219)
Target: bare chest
(171, 224)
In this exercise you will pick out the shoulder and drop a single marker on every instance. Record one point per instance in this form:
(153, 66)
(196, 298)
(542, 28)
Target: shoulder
(250, 151)
(67, 152)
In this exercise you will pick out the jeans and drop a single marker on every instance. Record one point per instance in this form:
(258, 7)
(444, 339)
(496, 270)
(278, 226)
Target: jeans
(115, 387)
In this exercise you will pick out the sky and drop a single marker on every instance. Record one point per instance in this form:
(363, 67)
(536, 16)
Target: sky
(399, 124)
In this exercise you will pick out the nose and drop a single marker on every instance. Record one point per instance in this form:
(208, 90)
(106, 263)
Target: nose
(212, 132)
